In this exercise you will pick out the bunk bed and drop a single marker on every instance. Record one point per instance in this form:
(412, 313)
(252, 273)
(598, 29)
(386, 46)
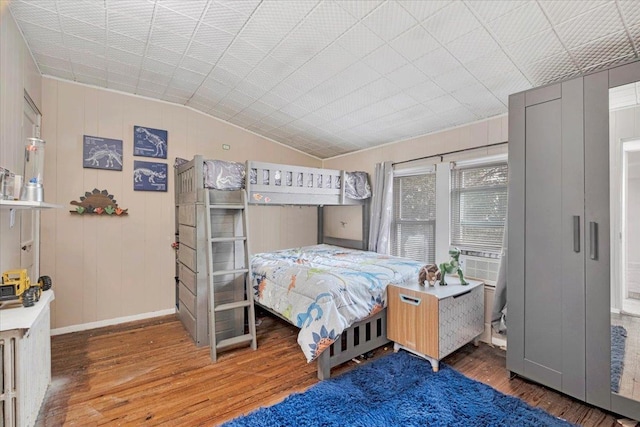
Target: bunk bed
(335, 326)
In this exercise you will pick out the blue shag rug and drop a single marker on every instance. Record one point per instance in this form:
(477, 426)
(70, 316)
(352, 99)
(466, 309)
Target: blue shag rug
(618, 338)
(399, 390)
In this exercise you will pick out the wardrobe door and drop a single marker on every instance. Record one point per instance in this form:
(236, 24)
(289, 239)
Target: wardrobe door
(546, 252)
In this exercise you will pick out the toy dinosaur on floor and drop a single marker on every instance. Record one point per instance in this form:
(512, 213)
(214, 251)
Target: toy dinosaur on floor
(453, 266)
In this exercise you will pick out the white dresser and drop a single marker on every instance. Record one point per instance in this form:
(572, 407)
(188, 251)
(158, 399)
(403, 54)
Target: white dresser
(25, 368)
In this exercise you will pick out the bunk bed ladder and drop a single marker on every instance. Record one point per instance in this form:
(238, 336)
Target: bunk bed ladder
(239, 271)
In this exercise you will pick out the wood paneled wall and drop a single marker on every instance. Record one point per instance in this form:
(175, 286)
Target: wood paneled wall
(18, 73)
(112, 267)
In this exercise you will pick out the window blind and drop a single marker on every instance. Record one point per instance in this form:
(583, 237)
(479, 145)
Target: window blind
(479, 207)
(413, 230)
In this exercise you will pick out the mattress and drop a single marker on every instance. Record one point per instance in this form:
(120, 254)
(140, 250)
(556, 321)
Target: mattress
(324, 289)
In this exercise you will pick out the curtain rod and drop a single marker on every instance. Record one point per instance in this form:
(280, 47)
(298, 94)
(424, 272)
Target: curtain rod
(441, 155)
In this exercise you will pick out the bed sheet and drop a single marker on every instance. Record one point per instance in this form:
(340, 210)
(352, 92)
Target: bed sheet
(324, 289)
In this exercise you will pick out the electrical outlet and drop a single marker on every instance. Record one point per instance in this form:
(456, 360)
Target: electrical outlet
(226, 147)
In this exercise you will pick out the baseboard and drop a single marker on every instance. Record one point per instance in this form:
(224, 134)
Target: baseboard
(111, 322)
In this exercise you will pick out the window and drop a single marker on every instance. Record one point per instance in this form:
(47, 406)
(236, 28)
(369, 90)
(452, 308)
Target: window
(479, 206)
(413, 230)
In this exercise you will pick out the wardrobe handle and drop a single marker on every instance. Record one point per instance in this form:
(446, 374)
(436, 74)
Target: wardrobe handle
(593, 237)
(576, 233)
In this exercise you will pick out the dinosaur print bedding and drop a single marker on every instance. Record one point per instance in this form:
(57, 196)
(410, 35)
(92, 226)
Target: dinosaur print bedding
(324, 289)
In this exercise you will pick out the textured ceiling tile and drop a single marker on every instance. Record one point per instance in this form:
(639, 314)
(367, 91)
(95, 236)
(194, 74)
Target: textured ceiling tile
(245, 50)
(261, 35)
(490, 65)
(536, 47)
(205, 53)
(174, 22)
(488, 10)
(285, 14)
(36, 32)
(123, 42)
(276, 70)
(139, 10)
(400, 102)
(520, 23)
(234, 65)
(123, 73)
(195, 65)
(148, 93)
(151, 86)
(96, 61)
(92, 13)
(359, 9)
(455, 79)
(52, 62)
(128, 26)
(155, 77)
(451, 22)
(360, 41)
(327, 63)
(225, 76)
(603, 50)
(630, 11)
(176, 99)
(188, 76)
(287, 92)
(562, 10)
(504, 84)
(260, 78)
(168, 40)
(83, 30)
(158, 66)
(81, 44)
(121, 86)
(226, 19)
(407, 76)
(472, 45)
(91, 80)
(123, 57)
(87, 70)
(213, 37)
(48, 48)
(389, 20)
(300, 46)
(49, 5)
(414, 43)
(191, 8)
(384, 60)
(165, 55)
(442, 104)
(381, 88)
(549, 69)
(457, 116)
(425, 91)
(331, 19)
(274, 100)
(421, 9)
(438, 62)
(245, 7)
(591, 25)
(31, 13)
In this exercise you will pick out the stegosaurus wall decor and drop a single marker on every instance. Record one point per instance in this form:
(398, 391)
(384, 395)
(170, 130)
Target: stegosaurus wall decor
(98, 202)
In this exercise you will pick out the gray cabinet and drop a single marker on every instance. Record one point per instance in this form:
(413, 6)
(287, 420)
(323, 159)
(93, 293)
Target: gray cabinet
(546, 237)
(558, 270)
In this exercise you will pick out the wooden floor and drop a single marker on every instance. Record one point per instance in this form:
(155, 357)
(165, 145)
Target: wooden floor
(151, 373)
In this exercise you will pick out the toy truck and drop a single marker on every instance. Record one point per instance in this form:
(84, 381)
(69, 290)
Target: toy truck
(16, 285)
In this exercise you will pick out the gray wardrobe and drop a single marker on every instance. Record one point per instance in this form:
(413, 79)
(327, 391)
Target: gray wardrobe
(558, 268)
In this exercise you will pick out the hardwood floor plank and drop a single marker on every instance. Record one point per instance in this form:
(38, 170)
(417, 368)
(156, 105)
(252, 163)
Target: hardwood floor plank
(151, 373)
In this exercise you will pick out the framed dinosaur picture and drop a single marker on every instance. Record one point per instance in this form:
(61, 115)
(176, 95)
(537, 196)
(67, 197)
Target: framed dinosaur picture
(150, 142)
(101, 153)
(149, 176)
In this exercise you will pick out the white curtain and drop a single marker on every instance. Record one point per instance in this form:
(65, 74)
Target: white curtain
(499, 314)
(381, 208)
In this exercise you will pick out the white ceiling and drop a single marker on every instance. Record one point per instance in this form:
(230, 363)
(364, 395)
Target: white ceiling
(331, 76)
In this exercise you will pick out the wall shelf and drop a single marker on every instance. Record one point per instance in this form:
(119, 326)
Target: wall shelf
(21, 204)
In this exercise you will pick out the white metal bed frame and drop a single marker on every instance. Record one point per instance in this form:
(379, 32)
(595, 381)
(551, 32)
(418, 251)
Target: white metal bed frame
(361, 337)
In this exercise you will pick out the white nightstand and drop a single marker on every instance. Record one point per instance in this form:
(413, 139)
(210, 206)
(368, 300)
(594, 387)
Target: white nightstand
(432, 322)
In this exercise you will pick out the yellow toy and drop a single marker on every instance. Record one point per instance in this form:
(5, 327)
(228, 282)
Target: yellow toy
(16, 285)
